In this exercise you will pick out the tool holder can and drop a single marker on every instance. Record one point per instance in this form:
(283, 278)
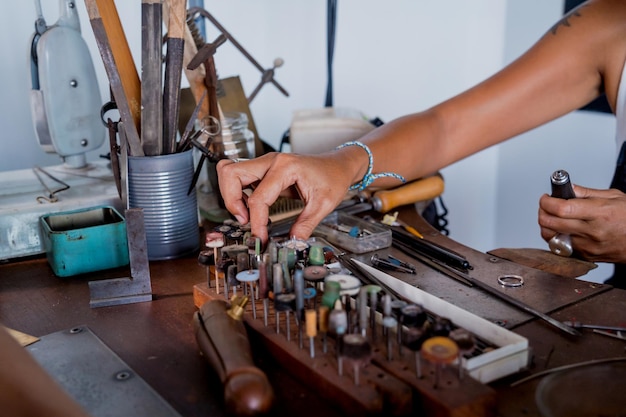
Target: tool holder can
(159, 185)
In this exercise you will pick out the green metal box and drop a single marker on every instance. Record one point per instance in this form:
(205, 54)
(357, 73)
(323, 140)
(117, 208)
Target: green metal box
(86, 240)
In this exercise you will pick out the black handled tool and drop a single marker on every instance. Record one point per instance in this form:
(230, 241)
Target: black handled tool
(561, 243)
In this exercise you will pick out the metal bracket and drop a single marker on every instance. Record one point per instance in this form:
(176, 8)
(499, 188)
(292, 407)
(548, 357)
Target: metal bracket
(138, 287)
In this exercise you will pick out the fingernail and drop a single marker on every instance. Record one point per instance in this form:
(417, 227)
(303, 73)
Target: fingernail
(240, 219)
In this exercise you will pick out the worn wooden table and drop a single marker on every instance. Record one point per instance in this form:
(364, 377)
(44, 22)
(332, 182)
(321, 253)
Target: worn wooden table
(156, 338)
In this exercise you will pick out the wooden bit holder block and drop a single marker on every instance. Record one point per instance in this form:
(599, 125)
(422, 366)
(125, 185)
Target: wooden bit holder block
(385, 388)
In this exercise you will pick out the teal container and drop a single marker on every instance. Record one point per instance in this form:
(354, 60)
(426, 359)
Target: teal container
(86, 240)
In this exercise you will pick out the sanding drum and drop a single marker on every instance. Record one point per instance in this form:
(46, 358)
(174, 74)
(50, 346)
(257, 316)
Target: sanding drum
(224, 342)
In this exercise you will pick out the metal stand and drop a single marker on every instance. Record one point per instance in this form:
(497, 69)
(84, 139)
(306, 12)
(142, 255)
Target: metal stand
(137, 288)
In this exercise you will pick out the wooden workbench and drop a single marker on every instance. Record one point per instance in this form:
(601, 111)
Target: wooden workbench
(157, 341)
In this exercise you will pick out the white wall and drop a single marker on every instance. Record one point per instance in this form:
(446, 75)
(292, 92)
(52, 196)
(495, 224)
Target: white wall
(391, 58)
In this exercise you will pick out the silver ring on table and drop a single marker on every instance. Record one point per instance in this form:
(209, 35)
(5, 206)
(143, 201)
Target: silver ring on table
(510, 280)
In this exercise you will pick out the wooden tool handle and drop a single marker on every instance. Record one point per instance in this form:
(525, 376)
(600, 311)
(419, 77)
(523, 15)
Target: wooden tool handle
(194, 77)
(106, 10)
(225, 344)
(173, 71)
(413, 192)
(176, 19)
(120, 67)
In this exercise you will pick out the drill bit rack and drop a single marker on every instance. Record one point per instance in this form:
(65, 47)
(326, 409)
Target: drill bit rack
(373, 372)
(385, 387)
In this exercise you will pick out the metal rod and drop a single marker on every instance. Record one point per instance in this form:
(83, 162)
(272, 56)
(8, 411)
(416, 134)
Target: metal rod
(579, 325)
(151, 78)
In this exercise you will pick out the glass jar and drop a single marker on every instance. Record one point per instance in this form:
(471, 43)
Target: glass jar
(234, 141)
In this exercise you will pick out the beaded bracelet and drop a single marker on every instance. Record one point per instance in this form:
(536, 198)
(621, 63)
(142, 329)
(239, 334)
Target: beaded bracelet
(368, 178)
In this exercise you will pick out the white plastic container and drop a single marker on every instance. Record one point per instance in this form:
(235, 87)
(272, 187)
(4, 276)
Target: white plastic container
(319, 130)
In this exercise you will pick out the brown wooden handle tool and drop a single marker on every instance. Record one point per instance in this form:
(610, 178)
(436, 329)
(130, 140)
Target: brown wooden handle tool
(120, 67)
(419, 190)
(173, 71)
(224, 342)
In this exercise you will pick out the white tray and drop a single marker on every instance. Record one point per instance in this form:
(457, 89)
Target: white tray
(511, 354)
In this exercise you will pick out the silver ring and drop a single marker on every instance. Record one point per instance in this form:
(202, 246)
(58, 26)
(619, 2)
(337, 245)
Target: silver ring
(510, 280)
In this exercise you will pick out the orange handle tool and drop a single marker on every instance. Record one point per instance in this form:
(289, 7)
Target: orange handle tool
(418, 190)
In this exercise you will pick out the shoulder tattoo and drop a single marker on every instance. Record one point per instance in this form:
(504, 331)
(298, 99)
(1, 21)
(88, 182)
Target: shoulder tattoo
(566, 20)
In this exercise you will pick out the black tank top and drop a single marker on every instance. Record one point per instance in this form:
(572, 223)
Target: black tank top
(619, 182)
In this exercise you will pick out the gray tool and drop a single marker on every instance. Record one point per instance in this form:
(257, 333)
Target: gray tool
(65, 98)
(138, 287)
(151, 77)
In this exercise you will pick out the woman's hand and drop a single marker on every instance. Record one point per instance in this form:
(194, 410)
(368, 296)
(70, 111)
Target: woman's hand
(595, 220)
(320, 181)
